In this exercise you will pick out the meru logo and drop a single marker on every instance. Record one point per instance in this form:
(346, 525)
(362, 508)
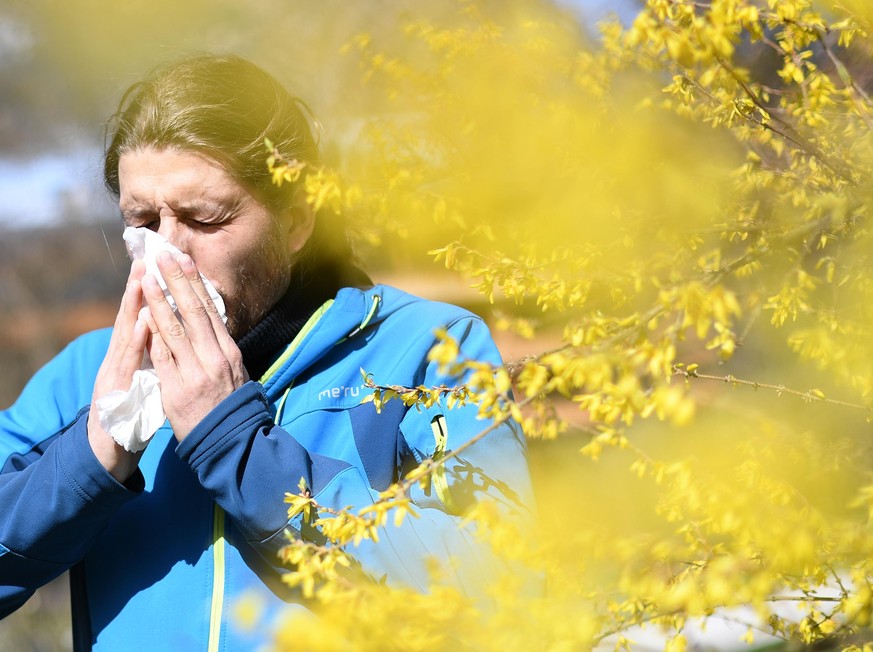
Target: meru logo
(341, 392)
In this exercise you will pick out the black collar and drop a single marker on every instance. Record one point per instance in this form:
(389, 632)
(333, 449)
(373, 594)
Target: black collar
(306, 293)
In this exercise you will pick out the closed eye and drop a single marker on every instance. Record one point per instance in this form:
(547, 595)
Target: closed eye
(141, 219)
(201, 223)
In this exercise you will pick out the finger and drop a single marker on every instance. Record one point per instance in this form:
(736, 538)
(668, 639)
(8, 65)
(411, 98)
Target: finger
(164, 322)
(219, 328)
(193, 275)
(146, 315)
(131, 294)
(127, 342)
(162, 358)
(122, 360)
(217, 353)
(192, 311)
(132, 353)
(126, 317)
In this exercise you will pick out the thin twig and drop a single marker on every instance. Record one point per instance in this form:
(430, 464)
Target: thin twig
(808, 395)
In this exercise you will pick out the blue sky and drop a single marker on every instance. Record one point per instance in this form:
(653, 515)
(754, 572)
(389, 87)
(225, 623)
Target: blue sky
(593, 10)
(33, 191)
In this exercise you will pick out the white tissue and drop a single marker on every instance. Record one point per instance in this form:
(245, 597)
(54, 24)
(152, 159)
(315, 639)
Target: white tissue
(132, 417)
(144, 244)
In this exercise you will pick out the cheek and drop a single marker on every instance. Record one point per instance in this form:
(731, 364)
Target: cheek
(249, 273)
(219, 264)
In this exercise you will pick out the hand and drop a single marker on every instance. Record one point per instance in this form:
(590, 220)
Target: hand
(123, 357)
(196, 359)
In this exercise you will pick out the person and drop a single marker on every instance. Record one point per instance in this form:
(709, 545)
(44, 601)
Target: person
(161, 542)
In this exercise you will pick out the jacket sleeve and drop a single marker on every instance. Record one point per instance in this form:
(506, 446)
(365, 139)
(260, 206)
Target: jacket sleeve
(55, 496)
(247, 463)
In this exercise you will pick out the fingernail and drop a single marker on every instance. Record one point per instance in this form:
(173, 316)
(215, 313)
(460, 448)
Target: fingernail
(185, 262)
(150, 284)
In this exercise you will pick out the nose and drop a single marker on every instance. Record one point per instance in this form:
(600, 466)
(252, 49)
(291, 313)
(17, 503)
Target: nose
(171, 229)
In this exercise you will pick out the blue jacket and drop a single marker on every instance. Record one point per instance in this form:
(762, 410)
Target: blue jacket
(157, 563)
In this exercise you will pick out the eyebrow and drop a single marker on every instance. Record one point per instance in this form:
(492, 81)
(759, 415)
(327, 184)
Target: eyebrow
(134, 212)
(138, 209)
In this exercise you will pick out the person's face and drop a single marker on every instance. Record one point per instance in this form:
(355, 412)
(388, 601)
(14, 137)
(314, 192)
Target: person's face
(234, 240)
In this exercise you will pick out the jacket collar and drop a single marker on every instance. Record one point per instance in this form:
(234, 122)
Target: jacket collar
(333, 322)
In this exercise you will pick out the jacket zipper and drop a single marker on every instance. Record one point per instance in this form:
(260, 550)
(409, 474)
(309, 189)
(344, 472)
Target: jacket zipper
(219, 543)
(217, 578)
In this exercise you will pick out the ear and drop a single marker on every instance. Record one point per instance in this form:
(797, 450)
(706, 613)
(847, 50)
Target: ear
(298, 222)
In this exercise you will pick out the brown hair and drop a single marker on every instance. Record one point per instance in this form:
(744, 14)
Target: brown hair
(223, 106)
